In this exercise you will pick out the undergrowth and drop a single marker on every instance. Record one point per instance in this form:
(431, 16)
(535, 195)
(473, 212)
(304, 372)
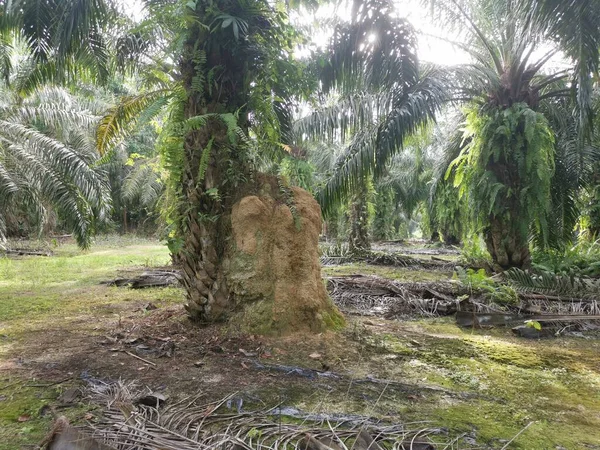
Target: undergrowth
(495, 292)
(582, 259)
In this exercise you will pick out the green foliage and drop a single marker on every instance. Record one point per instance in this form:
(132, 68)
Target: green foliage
(335, 249)
(122, 118)
(529, 152)
(533, 324)
(381, 97)
(582, 259)
(473, 252)
(478, 280)
(66, 40)
(288, 198)
(507, 167)
(383, 221)
(48, 166)
(544, 282)
(298, 172)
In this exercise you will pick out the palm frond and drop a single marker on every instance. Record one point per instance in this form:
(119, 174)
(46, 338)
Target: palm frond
(122, 117)
(372, 147)
(574, 25)
(191, 425)
(549, 283)
(46, 163)
(374, 49)
(67, 32)
(143, 183)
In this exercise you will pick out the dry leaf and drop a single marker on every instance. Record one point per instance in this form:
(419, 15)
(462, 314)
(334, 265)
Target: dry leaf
(24, 418)
(315, 355)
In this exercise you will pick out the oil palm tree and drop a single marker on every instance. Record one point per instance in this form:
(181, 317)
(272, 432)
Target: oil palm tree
(47, 157)
(380, 97)
(226, 95)
(47, 163)
(507, 162)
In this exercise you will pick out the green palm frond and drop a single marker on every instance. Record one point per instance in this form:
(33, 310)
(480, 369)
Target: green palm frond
(372, 147)
(143, 183)
(549, 283)
(129, 111)
(47, 161)
(374, 49)
(574, 25)
(351, 112)
(574, 169)
(67, 32)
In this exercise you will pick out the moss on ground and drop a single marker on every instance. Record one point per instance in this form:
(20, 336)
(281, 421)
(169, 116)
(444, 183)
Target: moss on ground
(25, 415)
(394, 273)
(554, 384)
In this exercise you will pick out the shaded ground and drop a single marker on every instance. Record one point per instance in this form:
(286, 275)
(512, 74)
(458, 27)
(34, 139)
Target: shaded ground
(58, 325)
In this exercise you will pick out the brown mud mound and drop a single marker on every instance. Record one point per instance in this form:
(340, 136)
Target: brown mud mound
(273, 272)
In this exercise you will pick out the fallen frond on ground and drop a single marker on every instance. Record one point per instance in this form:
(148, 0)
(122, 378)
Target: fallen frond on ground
(371, 295)
(129, 423)
(158, 277)
(473, 303)
(340, 254)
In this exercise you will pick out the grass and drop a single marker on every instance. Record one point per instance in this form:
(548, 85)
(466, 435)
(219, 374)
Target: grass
(395, 273)
(38, 292)
(509, 382)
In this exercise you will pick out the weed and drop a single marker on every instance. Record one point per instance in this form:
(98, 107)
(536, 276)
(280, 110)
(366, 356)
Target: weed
(501, 294)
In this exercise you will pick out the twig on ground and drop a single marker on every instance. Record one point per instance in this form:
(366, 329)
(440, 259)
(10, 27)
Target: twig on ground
(517, 435)
(49, 384)
(141, 359)
(10, 385)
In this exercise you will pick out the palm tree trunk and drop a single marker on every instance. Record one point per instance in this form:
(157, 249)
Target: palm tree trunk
(594, 206)
(506, 245)
(216, 196)
(202, 200)
(359, 223)
(202, 219)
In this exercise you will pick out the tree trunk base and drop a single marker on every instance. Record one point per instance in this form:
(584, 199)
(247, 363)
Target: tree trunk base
(506, 246)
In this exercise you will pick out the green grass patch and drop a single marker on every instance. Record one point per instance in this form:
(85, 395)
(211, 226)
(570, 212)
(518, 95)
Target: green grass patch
(394, 273)
(36, 292)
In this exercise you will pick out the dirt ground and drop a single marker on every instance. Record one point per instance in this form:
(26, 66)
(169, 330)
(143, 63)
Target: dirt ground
(59, 328)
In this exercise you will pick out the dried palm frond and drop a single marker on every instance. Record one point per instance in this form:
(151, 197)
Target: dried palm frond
(190, 425)
(369, 295)
(384, 259)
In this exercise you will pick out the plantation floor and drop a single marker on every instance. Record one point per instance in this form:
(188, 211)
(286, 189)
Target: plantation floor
(59, 327)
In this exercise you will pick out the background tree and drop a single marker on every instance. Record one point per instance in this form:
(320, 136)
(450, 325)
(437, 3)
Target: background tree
(381, 97)
(507, 166)
(48, 161)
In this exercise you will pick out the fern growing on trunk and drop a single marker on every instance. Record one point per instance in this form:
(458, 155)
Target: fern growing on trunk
(506, 171)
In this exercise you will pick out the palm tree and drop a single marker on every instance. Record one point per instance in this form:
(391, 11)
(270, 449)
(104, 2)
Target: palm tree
(409, 175)
(507, 162)
(381, 96)
(227, 97)
(47, 156)
(48, 163)
(136, 181)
